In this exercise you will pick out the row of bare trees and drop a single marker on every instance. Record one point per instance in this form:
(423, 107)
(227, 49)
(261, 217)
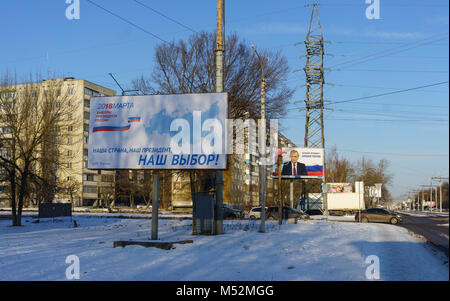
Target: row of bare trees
(34, 118)
(341, 170)
(426, 194)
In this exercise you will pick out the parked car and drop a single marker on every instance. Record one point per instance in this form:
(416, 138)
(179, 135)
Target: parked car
(230, 213)
(255, 213)
(378, 215)
(288, 212)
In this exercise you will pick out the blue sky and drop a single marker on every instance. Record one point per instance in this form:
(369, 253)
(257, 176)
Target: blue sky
(409, 129)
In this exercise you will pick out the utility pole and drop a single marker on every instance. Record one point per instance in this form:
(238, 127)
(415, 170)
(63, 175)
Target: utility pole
(423, 197)
(440, 191)
(262, 144)
(314, 71)
(279, 163)
(219, 89)
(431, 195)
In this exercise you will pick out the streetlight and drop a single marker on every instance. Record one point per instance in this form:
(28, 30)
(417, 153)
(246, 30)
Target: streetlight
(262, 144)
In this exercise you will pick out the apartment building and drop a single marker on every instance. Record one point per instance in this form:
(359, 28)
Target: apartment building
(84, 186)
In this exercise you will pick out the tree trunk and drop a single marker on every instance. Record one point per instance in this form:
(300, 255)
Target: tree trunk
(22, 190)
(13, 198)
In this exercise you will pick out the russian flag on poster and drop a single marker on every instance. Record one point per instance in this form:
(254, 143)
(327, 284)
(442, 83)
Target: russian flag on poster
(315, 170)
(116, 128)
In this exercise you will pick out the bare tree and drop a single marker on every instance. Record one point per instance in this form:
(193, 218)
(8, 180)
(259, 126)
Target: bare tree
(372, 173)
(339, 169)
(31, 113)
(189, 67)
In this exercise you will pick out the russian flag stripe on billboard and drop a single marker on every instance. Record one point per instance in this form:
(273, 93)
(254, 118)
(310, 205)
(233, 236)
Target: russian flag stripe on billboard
(315, 170)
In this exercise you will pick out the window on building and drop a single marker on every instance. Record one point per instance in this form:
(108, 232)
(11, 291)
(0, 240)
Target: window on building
(70, 91)
(91, 92)
(89, 189)
(89, 177)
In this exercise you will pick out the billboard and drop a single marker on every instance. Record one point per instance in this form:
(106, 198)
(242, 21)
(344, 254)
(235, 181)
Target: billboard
(300, 163)
(185, 131)
(340, 187)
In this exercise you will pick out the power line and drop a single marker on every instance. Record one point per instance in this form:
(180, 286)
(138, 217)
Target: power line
(389, 93)
(165, 16)
(392, 49)
(128, 21)
(395, 154)
(390, 120)
(381, 70)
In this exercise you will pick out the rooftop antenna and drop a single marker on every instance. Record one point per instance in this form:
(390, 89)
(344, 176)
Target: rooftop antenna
(123, 91)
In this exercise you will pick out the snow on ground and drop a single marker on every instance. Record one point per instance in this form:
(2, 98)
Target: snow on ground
(341, 218)
(425, 213)
(309, 250)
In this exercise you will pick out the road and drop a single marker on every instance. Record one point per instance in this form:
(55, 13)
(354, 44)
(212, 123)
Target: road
(434, 227)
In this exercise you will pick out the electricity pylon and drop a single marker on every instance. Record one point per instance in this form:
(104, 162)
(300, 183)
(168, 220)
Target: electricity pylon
(314, 71)
(314, 129)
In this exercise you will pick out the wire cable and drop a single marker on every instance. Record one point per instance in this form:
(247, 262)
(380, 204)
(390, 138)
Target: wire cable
(163, 15)
(128, 21)
(388, 93)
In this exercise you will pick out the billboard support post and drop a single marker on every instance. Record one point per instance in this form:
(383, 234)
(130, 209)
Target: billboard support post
(155, 205)
(325, 191)
(291, 188)
(280, 208)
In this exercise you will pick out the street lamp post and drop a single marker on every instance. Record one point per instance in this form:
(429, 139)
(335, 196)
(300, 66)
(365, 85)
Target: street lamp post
(262, 144)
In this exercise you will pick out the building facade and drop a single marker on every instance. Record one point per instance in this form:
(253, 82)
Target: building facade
(80, 185)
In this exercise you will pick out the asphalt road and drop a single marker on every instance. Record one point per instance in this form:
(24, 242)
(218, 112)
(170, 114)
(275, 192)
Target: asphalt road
(430, 226)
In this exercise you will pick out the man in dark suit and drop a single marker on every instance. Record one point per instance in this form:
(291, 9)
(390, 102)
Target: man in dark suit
(294, 168)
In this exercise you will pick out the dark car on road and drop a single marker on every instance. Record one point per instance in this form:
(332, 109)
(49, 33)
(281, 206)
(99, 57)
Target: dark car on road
(230, 213)
(378, 215)
(288, 212)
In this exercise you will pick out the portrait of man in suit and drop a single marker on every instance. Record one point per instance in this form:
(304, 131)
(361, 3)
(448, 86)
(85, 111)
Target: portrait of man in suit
(293, 167)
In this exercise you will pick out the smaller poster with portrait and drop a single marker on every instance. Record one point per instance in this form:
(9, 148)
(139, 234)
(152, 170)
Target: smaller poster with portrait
(300, 163)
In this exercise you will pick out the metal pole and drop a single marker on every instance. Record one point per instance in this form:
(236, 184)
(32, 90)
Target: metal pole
(440, 192)
(359, 202)
(262, 145)
(291, 188)
(436, 196)
(219, 89)
(155, 206)
(423, 198)
(325, 197)
(431, 196)
(280, 205)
